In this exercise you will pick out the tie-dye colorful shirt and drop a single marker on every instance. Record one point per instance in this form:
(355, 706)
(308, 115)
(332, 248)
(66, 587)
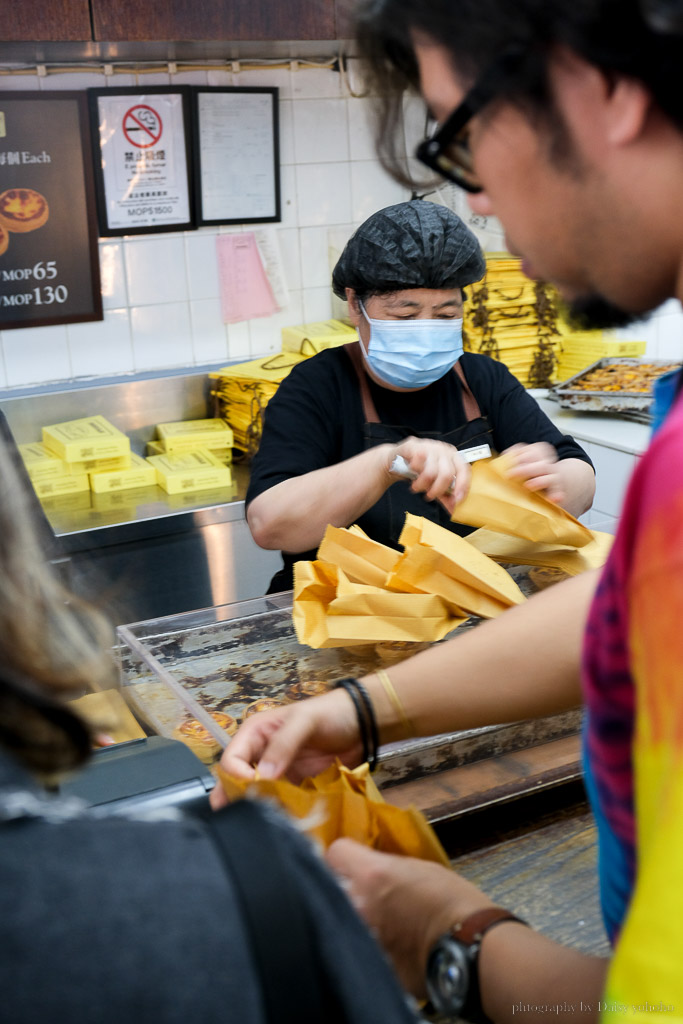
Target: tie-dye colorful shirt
(633, 741)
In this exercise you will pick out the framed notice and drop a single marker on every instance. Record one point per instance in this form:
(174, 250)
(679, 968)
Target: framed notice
(236, 155)
(142, 165)
(49, 265)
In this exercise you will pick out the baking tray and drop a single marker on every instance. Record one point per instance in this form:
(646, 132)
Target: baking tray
(221, 659)
(630, 404)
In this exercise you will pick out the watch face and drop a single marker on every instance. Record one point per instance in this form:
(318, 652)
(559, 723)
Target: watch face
(448, 975)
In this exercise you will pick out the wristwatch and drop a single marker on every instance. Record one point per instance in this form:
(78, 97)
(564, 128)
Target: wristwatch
(453, 965)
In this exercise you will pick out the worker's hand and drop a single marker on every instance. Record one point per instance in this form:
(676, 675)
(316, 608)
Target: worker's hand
(407, 903)
(297, 740)
(536, 466)
(442, 473)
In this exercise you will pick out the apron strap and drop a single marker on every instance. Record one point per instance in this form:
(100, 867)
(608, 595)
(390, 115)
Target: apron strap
(369, 411)
(471, 406)
(472, 410)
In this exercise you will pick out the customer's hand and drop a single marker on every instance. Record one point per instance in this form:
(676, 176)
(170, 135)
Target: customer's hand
(407, 903)
(297, 740)
(537, 467)
(442, 473)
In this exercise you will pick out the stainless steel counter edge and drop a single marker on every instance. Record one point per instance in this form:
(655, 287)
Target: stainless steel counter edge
(604, 429)
(169, 522)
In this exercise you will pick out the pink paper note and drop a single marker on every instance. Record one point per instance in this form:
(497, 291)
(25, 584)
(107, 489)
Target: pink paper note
(245, 289)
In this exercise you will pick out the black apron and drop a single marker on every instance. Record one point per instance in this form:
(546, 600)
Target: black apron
(384, 521)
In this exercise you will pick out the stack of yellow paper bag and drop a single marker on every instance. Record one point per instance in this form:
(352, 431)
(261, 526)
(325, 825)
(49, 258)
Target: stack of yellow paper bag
(341, 802)
(359, 591)
(516, 551)
(243, 391)
(513, 319)
(330, 610)
(507, 506)
(439, 562)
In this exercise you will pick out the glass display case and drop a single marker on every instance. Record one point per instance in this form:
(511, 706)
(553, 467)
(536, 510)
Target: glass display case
(180, 671)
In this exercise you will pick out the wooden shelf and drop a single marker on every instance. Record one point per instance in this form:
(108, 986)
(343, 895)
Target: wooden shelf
(449, 794)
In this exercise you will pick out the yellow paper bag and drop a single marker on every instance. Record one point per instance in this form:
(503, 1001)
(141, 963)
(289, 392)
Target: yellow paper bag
(516, 551)
(332, 611)
(343, 802)
(362, 559)
(421, 566)
(315, 585)
(507, 506)
(440, 562)
(370, 613)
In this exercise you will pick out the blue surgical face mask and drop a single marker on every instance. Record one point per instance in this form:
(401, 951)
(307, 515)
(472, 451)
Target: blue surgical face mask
(412, 353)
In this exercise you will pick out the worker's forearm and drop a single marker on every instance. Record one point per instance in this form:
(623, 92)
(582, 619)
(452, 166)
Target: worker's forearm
(524, 664)
(578, 482)
(292, 515)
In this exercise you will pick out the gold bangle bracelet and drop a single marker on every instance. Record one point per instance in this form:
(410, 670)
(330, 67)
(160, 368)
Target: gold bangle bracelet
(396, 702)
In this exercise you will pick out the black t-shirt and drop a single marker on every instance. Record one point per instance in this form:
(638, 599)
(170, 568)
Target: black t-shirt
(315, 419)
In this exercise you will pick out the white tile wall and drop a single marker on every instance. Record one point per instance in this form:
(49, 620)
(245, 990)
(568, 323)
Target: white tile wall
(161, 293)
(156, 270)
(112, 275)
(317, 304)
(321, 131)
(372, 189)
(101, 348)
(36, 352)
(323, 193)
(209, 336)
(161, 335)
(286, 125)
(314, 264)
(202, 268)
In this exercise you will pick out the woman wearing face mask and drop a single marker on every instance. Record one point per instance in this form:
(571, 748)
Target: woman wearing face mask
(338, 421)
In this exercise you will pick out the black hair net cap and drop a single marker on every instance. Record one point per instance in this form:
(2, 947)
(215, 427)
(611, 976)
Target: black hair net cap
(417, 244)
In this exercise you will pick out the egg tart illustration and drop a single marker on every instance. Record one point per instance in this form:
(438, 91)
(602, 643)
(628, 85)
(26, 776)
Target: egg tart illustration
(23, 209)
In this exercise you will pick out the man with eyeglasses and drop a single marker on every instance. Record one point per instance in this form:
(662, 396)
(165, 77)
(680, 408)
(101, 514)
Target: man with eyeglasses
(565, 119)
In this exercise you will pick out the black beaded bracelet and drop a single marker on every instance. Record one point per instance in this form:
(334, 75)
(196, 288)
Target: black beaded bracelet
(367, 723)
(347, 684)
(371, 723)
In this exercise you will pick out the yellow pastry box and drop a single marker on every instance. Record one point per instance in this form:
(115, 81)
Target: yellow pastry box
(92, 437)
(40, 463)
(187, 435)
(139, 474)
(186, 472)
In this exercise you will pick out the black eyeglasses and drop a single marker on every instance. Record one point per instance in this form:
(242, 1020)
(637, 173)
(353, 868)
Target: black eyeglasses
(447, 151)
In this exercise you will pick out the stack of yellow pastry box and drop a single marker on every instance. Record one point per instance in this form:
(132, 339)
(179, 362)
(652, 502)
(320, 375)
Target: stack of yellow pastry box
(242, 391)
(72, 455)
(513, 319)
(92, 455)
(193, 455)
(520, 323)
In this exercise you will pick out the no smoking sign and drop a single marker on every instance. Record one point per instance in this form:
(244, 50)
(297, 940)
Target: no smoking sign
(142, 126)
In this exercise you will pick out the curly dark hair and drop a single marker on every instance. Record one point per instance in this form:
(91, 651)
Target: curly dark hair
(627, 37)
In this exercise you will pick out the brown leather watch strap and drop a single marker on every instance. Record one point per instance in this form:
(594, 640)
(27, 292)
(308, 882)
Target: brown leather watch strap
(474, 927)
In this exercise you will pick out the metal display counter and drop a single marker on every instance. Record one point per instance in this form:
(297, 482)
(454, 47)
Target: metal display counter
(143, 553)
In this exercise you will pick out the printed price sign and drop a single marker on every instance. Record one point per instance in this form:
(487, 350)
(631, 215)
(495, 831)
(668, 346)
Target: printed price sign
(49, 266)
(141, 160)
